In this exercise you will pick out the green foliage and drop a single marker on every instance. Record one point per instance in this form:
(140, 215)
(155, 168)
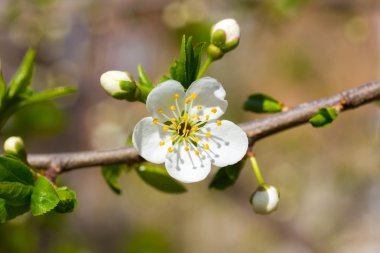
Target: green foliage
(111, 174)
(324, 117)
(143, 77)
(67, 200)
(19, 94)
(44, 197)
(15, 194)
(23, 76)
(12, 170)
(186, 68)
(261, 103)
(226, 176)
(158, 177)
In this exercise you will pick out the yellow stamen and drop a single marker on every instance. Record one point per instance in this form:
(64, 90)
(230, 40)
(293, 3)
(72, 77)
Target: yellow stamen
(170, 149)
(199, 107)
(162, 143)
(172, 119)
(193, 96)
(172, 108)
(165, 128)
(207, 117)
(160, 111)
(213, 110)
(176, 96)
(187, 148)
(208, 135)
(195, 139)
(219, 123)
(206, 147)
(172, 138)
(196, 152)
(172, 125)
(194, 128)
(187, 100)
(155, 121)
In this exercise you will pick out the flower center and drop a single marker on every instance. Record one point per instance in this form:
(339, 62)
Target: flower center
(185, 125)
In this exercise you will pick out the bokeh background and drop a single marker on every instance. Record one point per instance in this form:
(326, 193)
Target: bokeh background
(294, 50)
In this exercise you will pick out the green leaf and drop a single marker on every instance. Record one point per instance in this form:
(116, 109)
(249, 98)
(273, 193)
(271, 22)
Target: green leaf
(111, 174)
(23, 76)
(143, 77)
(3, 87)
(67, 200)
(324, 117)
(261, 103)
(12, 170)
(8, 212)
(44, 197)
(3, 211)
(226, 176)
(46, 95)
(16, 194)
(186, 68)
(157, 177)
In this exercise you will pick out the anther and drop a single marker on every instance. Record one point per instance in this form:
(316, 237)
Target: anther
(196, 152)
(213, 110)
(206, 146)
(160, 111)
(207, 117)
(187, 148)
(155, 121)
(176, 96)
(170, 149)
(172, 108)
(165, 128)
(208, 135)
(193, 96)
(219, 123)
(187, 100)
(199, 107)
(172, 119)
(162, 143)
(195, 139)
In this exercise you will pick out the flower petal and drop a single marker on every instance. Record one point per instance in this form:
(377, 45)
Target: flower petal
(186, 166)
(210, 98)
(227, 144)
(148, 139)
(162, 98)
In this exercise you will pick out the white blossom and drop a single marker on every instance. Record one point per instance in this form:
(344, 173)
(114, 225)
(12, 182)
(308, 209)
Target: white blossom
(230, 28)
(184, 131)
(111, 81)
(265, 199)
(14, 145)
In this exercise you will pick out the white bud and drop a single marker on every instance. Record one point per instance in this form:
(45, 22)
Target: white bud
(265, 199)
(15, 146)
(226, 34)
(118, 84)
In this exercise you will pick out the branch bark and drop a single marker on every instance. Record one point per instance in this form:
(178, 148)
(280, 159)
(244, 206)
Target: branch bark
(256, 130)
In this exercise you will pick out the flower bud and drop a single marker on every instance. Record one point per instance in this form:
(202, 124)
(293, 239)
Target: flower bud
(15, 146)
(119, 85)
(214, 52)
(265, 199)
(225, 34)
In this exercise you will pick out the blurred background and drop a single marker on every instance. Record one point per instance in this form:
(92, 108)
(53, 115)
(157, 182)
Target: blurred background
(294, 50)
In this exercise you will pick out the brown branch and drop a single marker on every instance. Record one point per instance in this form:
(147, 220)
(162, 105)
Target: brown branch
(256, 130)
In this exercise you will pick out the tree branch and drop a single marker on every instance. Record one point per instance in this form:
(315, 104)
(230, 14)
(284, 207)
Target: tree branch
(256, 130)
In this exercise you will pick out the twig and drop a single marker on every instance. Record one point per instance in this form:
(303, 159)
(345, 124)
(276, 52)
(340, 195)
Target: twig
(256, 130)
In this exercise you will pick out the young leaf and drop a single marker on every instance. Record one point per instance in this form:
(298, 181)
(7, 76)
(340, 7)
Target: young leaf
(12, 170)
(158, 178)
(111, 174)
(16, 194)
(324, 117)
(226, 176)
(3, 211)
(3, 87)
(185, 69)
(23, 76)
(67, 200)
(261, 103)
(44, 197)
(143, 77)
(46, 95)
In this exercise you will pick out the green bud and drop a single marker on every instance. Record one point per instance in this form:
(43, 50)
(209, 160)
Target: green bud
(14, 146)
(218, 38)
(265, 199)
(120, 85)
(214, 52)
